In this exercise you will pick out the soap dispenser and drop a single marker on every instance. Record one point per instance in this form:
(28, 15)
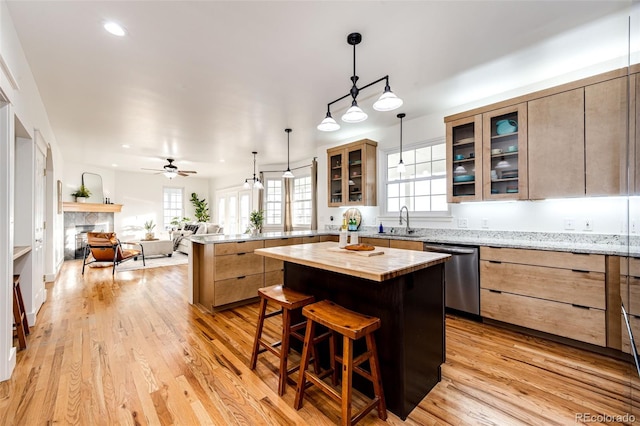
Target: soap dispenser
(380, 228)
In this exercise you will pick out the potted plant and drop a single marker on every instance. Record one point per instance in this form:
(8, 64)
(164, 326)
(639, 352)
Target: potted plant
(202, 208)
(82, 194)
(148, 226)
(176, 222)
(256, 218)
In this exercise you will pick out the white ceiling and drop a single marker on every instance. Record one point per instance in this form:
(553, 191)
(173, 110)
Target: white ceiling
(209, 80)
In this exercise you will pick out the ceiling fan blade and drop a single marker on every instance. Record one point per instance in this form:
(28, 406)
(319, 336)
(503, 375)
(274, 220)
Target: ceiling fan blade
(153, 170)
(181, 173)
(188, 171)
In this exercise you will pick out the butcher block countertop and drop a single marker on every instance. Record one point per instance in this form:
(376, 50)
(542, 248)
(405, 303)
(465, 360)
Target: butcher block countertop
(391, 264)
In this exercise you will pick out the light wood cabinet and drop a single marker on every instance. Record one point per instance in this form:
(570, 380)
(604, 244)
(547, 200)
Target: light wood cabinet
(379, 242)
(464, 159)
(352, 174)
(504, 166)
(556, 145)
(606, 137)
(634, 134)
(407, 245)
(554, 292)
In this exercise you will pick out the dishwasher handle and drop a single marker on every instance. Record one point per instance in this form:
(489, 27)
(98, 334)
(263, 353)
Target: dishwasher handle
(449, 249)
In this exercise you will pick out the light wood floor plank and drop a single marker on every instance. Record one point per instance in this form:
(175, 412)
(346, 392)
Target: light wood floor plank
(128, 349)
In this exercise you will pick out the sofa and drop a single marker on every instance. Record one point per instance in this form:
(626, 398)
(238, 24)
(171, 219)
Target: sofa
(180, 237)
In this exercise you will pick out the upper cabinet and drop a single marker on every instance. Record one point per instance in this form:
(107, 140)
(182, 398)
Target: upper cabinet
(464, 154)
(574, 140)
(556, 145)
(352, 174)
(505, 153)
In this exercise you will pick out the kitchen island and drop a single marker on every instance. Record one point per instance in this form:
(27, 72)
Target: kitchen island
(404, 288)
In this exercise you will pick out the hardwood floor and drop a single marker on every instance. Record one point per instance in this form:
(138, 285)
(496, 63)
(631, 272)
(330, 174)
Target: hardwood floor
(131, 350)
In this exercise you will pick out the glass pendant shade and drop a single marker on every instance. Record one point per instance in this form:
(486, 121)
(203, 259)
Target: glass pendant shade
(388, 101)
(246, 185)
(401, 167)
(328, 124)
(287, 174)
(170, 175)
(354, 114)
(258, 185)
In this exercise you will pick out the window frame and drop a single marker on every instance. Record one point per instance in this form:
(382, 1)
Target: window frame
(382, 186)
(310, 199)
(167, 225)
(266, 203)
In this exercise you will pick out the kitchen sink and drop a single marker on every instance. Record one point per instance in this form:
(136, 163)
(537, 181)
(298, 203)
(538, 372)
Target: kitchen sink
(408, 235)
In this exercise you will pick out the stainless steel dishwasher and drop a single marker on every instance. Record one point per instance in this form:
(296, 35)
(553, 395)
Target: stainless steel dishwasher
(462, 277)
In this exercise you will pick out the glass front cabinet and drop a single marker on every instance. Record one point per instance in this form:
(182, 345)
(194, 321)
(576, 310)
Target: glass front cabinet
(352, 174)
(464, 154)
(487, 156)
(505, 153)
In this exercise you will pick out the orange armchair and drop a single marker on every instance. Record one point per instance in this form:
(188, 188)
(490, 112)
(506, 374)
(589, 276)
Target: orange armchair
(105, 247)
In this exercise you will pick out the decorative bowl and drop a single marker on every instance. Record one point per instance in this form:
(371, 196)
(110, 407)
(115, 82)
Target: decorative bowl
(463, 178)
(459, 157)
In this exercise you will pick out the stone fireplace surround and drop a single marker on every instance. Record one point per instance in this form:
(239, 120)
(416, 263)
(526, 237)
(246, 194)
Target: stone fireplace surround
(77, 224)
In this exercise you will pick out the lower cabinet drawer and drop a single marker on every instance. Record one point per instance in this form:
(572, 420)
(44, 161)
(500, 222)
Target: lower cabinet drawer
(562, 285)
(563, 319)
(634, 323)
(380, 242)
(237, 289)
(273, 277)
(236, 265)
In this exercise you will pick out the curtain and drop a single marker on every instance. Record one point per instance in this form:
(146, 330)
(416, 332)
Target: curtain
(288, 205)
(314, 194)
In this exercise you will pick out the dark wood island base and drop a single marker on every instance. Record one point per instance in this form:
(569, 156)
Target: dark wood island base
(411, 340)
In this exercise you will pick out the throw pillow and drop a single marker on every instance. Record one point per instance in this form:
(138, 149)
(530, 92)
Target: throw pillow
(212, 228)
(192, 228)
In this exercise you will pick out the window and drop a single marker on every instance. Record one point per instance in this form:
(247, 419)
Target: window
(273, 201)
(172, 205)
(302, 201)
(423, 188)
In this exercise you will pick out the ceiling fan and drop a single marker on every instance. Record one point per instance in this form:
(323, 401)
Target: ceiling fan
(171, 171)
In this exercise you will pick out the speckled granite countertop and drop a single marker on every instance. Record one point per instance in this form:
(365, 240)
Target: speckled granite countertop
(620, 245)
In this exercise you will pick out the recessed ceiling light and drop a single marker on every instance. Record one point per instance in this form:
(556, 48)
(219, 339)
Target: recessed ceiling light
(114, 29)
(222, 160)
(124, 145)
(114, 165)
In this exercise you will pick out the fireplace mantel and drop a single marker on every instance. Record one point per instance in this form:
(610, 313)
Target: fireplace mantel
(91, 207)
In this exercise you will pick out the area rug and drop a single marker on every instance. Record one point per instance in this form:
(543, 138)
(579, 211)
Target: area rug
(177, 258)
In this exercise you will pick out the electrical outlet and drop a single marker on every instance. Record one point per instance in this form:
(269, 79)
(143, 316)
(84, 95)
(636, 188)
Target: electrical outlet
(485, 223)
(587, 225)
(569, 224)
(634, 227)
(463, 222)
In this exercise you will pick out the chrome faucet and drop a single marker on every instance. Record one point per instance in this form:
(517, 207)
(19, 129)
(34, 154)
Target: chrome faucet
(409, 230)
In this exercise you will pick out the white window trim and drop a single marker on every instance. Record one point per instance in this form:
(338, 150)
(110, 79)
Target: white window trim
(444, 216)
(166, 226)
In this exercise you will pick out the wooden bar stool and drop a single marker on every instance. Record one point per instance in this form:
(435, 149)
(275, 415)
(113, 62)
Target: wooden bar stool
(19, 316)
(352, 326)
(287, 300)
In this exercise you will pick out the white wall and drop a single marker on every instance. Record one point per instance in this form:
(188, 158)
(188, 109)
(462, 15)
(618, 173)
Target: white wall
(141, 196)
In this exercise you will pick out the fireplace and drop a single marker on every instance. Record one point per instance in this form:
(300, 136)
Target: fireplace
(76, 226)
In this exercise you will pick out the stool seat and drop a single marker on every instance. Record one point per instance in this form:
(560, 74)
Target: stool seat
(285, 297)
(342, 320)
(352, 326)
(288, 301)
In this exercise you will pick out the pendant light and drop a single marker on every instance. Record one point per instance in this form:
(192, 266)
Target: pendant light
(287, 174)
(255, 182)
(401, 166)
(388, 101)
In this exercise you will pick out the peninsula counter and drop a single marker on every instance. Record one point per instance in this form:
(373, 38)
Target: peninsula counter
(404, 288)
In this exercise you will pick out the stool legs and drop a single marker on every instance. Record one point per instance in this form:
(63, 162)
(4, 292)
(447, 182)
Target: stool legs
(304, 363)
(19, 316)
(284, 351)
(347, 379)
(256, 341)
(376, 377)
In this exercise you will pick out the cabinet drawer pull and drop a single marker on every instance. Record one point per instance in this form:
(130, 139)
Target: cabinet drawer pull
(495, 291)
(495, 261)
(580, 270)
(579, 306)
(241, 277)
(240, 242)
(581, 254)
(240, 254)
